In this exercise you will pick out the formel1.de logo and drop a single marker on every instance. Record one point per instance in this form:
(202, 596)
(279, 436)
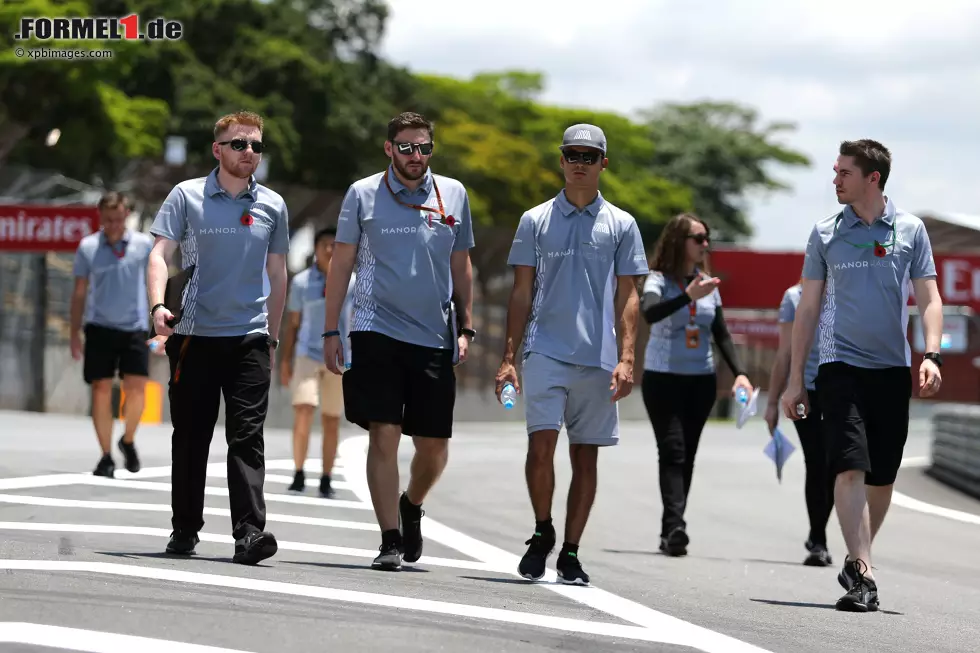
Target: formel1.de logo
(101, 28)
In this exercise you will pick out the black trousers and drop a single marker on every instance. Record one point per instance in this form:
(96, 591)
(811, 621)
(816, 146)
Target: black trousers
(819, 484)
(678, 406)
(201, 370)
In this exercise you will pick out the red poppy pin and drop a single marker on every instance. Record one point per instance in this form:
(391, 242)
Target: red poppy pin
(247, 219)
(879, 250)
(450, 220)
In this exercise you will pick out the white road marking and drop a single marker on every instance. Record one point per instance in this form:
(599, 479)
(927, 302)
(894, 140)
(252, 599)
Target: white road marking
(280, 478)
(562, 624)
(164, 534)
(23, 500)
(909, 503)
(91, 641)
(668, 629)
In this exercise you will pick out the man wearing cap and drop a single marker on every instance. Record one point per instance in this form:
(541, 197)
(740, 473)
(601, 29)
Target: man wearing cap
(577, 261)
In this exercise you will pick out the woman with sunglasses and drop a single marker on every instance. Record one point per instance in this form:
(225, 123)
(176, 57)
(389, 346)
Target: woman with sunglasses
(683, 306)
(819, 485)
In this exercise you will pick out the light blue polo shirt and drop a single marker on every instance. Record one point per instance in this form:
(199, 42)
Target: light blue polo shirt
(404, 283)
(228, 292)
(787, 314)
(577, 256)
(117, 280)
(667, 349)
(307, 297)
(864, 316)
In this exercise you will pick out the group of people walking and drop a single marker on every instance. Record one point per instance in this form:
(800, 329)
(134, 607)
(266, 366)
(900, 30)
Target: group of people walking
(374, 329)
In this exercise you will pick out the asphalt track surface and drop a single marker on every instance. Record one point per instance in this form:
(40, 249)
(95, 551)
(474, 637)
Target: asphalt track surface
(82, 565)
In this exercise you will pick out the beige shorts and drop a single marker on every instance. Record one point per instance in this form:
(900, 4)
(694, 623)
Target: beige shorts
(314, 385)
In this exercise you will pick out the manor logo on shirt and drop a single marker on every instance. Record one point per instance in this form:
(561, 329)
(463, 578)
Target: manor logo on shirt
(851, 265)
(388, 231)
(561, 253)
(217, 231)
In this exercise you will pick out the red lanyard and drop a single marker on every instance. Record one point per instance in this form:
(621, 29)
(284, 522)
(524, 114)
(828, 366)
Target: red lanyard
(692, 307)
(441, 210)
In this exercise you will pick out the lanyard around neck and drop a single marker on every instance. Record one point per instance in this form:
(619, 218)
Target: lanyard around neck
(692, 307)
(441, 211)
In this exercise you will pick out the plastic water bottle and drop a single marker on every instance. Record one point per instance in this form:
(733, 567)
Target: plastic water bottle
(742, 395)
(508, 396)
(154, 345)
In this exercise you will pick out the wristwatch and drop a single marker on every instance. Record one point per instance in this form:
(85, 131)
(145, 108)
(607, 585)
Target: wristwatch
(469, 333)
(273, 343)
(934, 357)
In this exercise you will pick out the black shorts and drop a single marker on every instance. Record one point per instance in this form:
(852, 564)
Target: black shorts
(865, 418)
(108, 351)
(395, 382)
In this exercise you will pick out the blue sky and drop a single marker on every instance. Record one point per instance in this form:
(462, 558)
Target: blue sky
(904, 73)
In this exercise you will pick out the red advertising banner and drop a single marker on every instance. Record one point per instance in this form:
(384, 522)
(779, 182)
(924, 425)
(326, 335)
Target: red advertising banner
(751, 279)
(38, 228)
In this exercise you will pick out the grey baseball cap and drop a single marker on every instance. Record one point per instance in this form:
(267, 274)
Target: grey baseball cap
(584, 135)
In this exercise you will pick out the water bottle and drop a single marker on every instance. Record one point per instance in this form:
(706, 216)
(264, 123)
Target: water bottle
(508, 396)
(742, 395)
(154, 345)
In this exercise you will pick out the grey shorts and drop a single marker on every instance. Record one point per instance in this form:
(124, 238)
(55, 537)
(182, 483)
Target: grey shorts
(577, 397)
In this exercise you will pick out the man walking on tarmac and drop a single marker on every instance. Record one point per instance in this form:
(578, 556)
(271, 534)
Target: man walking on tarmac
(233, 233)
(110, 300)
(302, 368)
(577, 262)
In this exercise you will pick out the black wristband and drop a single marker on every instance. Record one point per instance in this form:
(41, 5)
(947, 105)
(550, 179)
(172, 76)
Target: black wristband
(155, 307)
(329, 334)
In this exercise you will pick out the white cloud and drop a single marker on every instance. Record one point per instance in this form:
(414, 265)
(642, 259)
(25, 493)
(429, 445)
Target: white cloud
(907, 74)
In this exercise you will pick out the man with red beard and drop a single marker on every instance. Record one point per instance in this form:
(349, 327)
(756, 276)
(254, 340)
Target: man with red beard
(409, 232)
(233, 233)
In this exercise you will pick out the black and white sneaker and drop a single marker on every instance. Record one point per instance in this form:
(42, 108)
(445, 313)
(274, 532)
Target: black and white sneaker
(535, 560)
(390, 556)
(863, 594)
(182, 543)
(299, 482)
(847, 577)
(106, 467)
(255, 547)
(675, 544)
(819, 555)
(410, 525)
(570, 570)
(132, 460)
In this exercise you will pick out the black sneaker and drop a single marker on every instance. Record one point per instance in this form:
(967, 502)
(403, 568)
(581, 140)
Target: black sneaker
(410, 525)
(819, 555)
(255, 547)
(863, 595)
(326, 491)
(106, 467)
(535, 561)
(847, 577)
(570, 570)
(128, 450)
(390, 552)
(675, 544)
(182, 543)
(299, 482)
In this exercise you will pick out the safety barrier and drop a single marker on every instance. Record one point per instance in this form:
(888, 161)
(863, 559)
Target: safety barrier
(956, 448)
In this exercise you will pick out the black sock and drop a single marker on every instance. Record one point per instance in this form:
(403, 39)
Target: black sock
(391, 538)
(408, 504)
(545, 528)
(569, 549)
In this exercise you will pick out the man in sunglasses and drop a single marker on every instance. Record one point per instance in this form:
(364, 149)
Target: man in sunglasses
(233, 233)
(577, 262)
(409, 232)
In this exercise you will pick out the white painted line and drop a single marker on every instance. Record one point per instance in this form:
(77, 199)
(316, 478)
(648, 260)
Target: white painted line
(909, 503)
(163, 507)
(158, 486)
(164, 534)
(666, 628)
(561, 624)
(91, 641)
(47, 480)
(287, 480)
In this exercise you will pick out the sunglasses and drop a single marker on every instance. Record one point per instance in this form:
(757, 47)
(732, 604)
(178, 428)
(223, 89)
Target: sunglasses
(700, 239)
(588, 158)
(240, 144)
(425, 149)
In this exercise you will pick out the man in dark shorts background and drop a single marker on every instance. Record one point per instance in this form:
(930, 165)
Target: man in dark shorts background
(867, 256)
(110, 300)
(409, 232)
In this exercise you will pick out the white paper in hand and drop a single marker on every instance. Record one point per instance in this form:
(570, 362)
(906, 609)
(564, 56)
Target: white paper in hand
(748, 409)
(779, 450)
